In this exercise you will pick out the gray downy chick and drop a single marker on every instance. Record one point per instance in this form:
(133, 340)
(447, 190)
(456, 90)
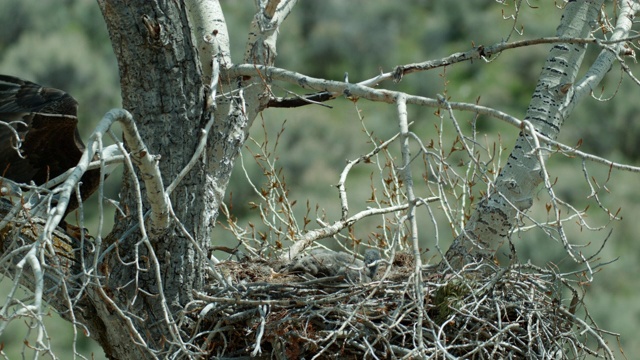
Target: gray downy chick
(327, 263)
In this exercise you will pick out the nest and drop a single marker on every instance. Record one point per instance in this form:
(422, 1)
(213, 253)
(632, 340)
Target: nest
(506, 313)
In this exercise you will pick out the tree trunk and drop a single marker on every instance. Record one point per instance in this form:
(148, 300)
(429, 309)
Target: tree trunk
(162, 86)
(165, 54)
(495, 216)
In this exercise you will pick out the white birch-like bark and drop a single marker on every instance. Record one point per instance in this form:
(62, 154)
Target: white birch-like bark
(495, 216)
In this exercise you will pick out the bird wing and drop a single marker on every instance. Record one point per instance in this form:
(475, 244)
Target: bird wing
(20, 97)
(42, 123)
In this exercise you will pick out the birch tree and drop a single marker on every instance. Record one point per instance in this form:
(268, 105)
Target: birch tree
(160, 286)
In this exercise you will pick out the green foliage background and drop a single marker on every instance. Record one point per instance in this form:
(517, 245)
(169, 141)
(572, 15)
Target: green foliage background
(64, 44)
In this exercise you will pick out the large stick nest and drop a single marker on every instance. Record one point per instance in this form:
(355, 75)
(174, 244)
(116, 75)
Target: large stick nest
(517, 312)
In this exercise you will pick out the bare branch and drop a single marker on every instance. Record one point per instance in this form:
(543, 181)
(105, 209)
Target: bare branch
(342, 190)
(407, 177)
(478, 52)
(147, 163)
(304, 241)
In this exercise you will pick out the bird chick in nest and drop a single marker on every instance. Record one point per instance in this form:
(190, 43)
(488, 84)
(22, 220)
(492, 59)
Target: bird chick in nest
(328, 263)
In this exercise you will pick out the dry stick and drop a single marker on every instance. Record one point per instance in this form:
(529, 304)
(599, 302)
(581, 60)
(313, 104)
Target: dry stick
(155, 192)
(103, 161)
(588, 329)
(408, 180)
(478, 52)
(98, 238)
(149, 172)
(388, 96)
(141, 157)
(99, 255)
(16, 136)
(138, 196)
(17, 207)
(342, 192)
(57, 213)
(481, 52)
(168, 317)
(307, 239)
(547, 183)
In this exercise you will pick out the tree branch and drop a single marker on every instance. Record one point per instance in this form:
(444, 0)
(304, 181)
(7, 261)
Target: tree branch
(494, 217)
(478, 52)
(304, 241)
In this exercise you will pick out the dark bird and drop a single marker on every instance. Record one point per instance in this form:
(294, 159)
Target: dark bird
(39, 138)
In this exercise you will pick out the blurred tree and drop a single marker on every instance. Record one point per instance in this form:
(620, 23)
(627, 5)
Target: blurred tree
(157, 275)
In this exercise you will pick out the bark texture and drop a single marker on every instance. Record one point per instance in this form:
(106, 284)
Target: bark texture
(165, 55)
(162, 86)
(495, 216)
